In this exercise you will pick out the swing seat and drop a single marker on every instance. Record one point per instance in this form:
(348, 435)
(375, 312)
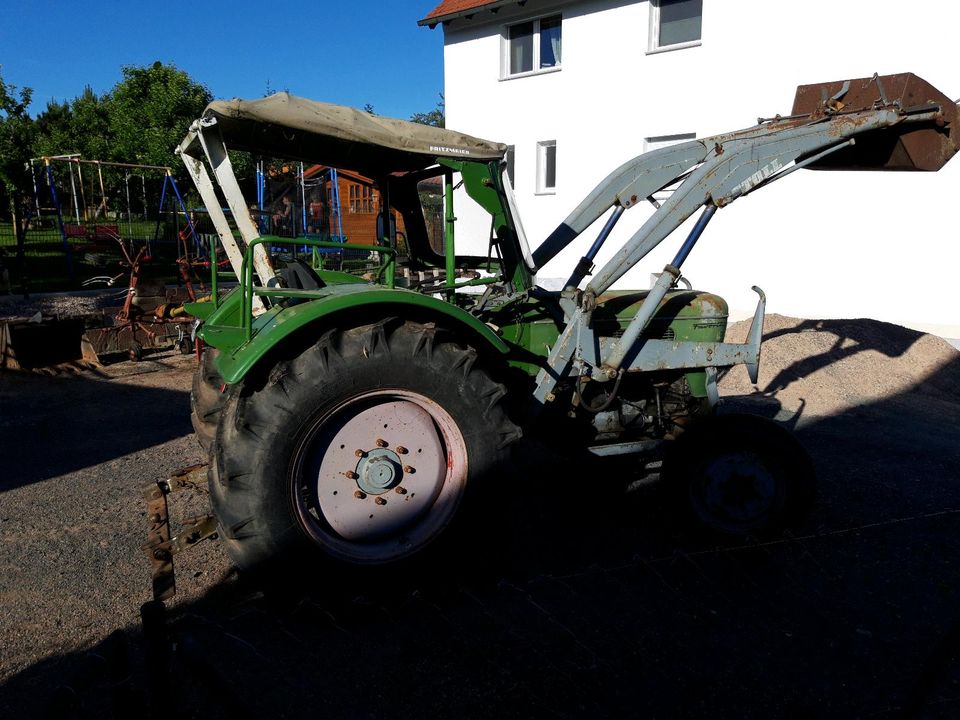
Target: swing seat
(105, 231)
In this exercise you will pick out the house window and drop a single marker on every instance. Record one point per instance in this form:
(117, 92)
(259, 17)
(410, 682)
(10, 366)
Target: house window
(511, 161)
(532, 46)
(547, 167)
(675, 24)
(361, 199)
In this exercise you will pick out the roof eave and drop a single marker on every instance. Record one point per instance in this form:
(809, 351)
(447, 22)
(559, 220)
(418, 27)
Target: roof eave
(493, 7)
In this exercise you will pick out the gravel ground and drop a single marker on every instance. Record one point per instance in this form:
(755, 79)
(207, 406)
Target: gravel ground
(78, 451)
(78, 304)
(589, 603)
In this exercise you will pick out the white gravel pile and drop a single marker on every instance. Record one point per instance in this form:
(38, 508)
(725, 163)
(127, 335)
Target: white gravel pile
(827, 365)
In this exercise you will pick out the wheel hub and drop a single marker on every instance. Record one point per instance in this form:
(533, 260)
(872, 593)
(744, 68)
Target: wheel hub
(385, 476)
(739, 487)
(379, 471)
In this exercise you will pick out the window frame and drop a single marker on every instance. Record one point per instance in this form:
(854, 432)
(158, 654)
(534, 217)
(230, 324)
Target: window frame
(653, 39)
(542, 157)
(361, 199)
(505, 73)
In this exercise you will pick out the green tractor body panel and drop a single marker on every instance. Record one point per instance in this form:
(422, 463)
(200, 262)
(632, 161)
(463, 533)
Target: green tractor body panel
(683, 315)
(319, 308)
(223, 325)
(200, 310)
(339, 277)
(484, 184)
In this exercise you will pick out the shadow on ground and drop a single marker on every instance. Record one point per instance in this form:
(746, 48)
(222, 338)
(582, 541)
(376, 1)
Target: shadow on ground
(119, 419)
(592, 603)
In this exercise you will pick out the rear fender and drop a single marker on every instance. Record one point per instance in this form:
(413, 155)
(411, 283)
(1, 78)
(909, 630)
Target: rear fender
(304, 322)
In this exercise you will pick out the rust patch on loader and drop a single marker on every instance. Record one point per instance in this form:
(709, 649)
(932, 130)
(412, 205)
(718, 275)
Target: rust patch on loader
(918, 146)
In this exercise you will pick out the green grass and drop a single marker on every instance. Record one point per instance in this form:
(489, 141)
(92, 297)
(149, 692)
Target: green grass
(46, 269)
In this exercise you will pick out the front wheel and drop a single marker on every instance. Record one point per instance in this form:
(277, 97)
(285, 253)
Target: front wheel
(741, 474)
(366, 447)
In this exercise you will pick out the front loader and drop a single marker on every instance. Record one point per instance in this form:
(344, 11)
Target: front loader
(359, 413)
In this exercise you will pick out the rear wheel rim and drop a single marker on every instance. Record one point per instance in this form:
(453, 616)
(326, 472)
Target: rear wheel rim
(379, 476)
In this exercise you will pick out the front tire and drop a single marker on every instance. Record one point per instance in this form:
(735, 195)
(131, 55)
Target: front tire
(741, 475)
(366, 448)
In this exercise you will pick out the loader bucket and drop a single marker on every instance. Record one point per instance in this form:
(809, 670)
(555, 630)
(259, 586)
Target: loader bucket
(30, 345)
(923, 146)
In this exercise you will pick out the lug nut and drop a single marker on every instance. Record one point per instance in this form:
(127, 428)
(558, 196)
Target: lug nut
(351, 475)
(359, 494)
(382, 443)
(401, 450)
(409, 469)
(360, 453)
(400, 490)
(381, 501)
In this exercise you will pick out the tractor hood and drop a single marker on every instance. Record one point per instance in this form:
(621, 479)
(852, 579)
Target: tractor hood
(299, 129)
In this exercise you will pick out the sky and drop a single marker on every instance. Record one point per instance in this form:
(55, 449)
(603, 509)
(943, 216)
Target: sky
(350, 52)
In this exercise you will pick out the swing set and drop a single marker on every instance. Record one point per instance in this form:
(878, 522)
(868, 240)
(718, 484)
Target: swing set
(101, 203)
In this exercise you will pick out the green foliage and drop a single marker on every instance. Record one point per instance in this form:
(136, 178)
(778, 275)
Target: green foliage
(141, 120)
(81, 126)
(16, 137)
(435, 117)
(150, 111)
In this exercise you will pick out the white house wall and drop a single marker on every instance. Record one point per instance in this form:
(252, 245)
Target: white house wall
(820, 244)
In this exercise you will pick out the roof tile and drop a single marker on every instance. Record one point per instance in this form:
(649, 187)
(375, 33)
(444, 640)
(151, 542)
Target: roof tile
(450, 7)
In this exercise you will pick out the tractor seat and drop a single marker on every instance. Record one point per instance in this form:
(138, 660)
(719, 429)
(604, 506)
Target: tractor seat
(298, 275)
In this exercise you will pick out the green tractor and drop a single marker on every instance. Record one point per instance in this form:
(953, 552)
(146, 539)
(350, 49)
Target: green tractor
(359, 411)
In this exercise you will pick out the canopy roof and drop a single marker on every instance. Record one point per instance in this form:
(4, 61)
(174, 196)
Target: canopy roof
(287, 126)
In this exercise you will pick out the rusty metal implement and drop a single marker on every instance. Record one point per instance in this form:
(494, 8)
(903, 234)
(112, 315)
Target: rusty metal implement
(161, 545)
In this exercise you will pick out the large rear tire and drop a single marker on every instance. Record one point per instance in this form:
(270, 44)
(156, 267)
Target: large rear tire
(365, 448)
(206, 398)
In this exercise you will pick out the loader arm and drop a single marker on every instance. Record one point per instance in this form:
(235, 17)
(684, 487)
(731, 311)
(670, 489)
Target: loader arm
(907, 123)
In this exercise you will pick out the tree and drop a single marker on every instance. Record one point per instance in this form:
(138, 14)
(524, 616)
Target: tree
(16, 137)
(141, 120)
(435, 117)
(150, 111)
(79, 126)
